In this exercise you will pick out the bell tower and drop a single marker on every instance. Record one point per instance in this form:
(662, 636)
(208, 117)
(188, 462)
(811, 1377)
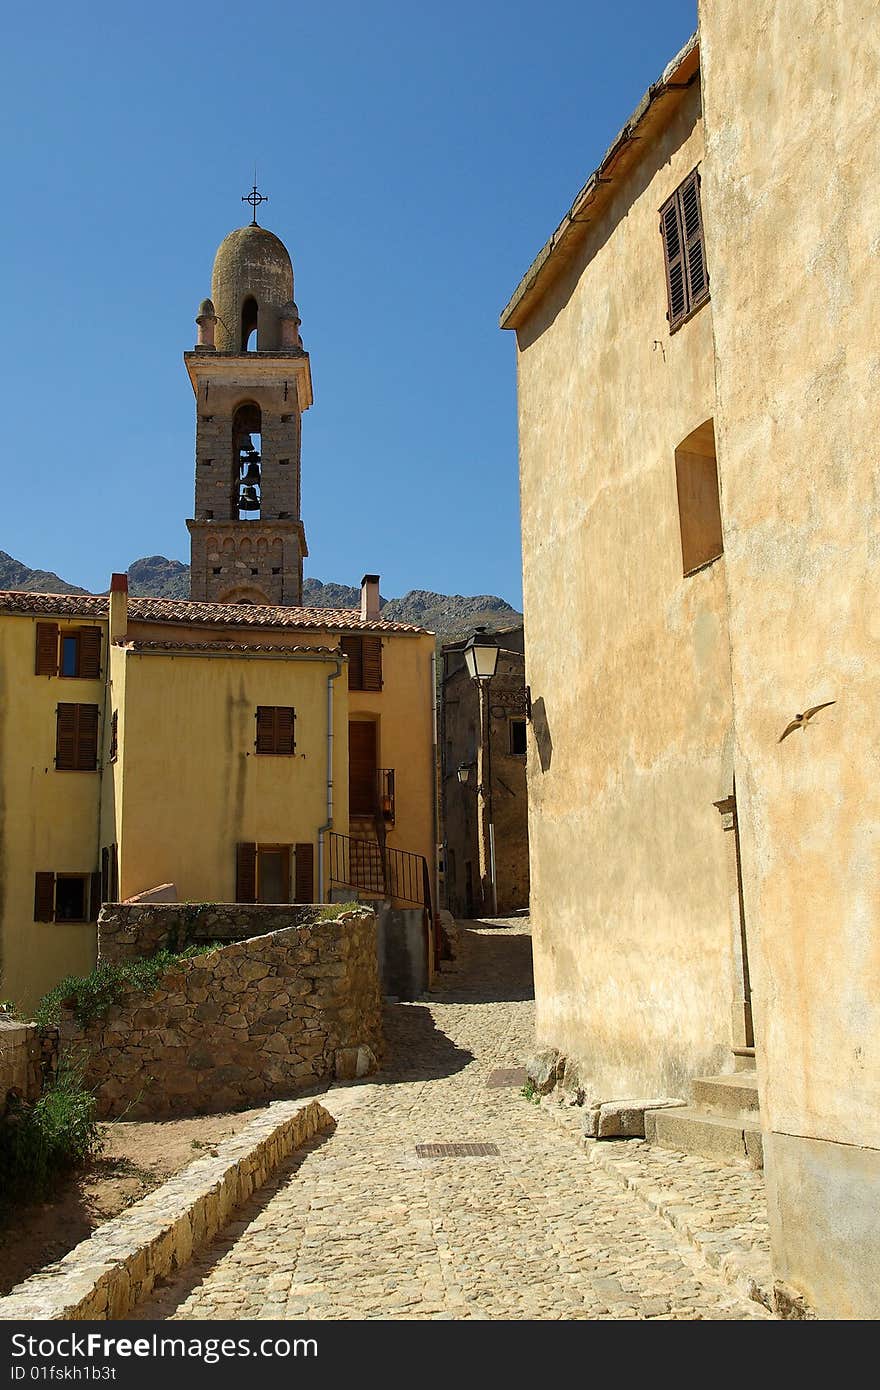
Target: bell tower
(252, 381)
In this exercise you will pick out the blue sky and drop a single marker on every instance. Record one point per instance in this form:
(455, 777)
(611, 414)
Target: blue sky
(416, 158)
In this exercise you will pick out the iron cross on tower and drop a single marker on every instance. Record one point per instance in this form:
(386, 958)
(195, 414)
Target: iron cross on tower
(254, 198)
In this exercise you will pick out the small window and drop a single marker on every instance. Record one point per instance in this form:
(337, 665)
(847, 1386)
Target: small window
(70, 898)
(209, 516)
(699, 509)
(216, 571)
(275, 729)
(208, 462)
(364, 662)
(276, 569)
(518, 736)
(254, 571)
(71, 652)
(282, 462)
(684, 251)
(76, 738)
(114, 736)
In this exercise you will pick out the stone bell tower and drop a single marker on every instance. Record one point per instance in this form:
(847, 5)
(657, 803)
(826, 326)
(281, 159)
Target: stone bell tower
(252, 382)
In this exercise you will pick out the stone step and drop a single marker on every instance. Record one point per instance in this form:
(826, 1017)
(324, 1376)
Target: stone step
(712, 1136)
(733, 1094)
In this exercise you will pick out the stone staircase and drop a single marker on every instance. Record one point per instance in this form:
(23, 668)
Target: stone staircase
(721, 1121)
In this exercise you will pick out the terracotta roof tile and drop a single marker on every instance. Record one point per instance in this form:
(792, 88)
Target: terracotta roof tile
(220, 646)
(166, 610)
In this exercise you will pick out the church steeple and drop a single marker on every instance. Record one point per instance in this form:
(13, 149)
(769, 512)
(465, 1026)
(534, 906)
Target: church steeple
(252, 381)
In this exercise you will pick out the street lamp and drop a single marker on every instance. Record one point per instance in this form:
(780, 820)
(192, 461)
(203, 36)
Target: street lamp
(481, 658)
(464, 772)
(481, 655)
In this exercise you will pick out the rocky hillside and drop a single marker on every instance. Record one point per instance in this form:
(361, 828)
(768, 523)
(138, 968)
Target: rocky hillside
(15, 575)
(451, 616)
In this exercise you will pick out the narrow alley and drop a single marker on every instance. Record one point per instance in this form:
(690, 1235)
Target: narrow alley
(358, 1226)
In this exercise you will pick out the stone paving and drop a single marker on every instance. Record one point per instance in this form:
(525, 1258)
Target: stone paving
(357, 1226)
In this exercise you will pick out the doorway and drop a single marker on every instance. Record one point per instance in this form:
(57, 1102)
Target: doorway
(362, 768)
(273, 874)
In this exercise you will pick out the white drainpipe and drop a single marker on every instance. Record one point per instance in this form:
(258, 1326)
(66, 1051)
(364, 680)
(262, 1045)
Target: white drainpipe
(334, 675)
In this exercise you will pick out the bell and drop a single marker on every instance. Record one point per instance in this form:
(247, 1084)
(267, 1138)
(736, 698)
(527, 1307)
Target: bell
(249, 501)
(252, 475)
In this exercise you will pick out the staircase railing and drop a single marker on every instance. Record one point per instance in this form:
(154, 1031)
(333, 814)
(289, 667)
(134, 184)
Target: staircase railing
(379, 870)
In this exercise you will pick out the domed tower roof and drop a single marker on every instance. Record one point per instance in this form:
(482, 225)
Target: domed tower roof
(251, 283)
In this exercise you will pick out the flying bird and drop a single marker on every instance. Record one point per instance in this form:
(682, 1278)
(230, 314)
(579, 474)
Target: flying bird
(801, 721)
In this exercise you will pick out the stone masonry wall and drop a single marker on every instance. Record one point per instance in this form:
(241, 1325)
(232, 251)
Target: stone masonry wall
(257, 1020)
(28, 1056)
(127, 930)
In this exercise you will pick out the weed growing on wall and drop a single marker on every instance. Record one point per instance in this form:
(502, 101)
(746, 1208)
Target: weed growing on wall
(91, 996)
(42, 1141)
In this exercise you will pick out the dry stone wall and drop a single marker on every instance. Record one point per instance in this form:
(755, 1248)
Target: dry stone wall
(127, 930)
(28, 1057)
(249, 1022)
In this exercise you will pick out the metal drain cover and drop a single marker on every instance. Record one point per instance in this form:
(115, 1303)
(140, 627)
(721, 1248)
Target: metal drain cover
(507, 1076)
(457, 1151)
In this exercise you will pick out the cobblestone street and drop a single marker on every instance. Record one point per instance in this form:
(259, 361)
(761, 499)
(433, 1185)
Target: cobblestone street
(359, 1226)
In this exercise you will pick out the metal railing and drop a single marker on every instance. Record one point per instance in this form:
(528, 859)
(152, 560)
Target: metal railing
(379, 870)
(386, 793)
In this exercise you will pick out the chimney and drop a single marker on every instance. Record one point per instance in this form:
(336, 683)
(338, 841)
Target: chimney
(369, 596)
(118, 607)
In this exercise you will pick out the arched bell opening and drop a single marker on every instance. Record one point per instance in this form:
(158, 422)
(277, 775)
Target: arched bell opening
(249, 317)
(246, 462)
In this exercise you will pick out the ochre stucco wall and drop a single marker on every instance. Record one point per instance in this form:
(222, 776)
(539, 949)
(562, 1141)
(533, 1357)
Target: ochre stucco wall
(192, 784)
(626, 660)
(793, 231)
(48, 819)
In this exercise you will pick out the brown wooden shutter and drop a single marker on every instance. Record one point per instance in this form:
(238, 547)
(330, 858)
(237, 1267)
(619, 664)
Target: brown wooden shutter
(114, 736)
(94, 897)
(86, 738)
(114, 875)
(305, 874)
(372, 649)
(265, 742)
(673, 248)
(44, 897)
(246, 874)
(694, 244)
(105, 875)
(46, 653)
(284, 729)
(65, 737)
(352, 646)
(89, 653)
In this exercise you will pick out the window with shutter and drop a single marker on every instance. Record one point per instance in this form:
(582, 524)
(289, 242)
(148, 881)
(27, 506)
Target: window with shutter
(372, 649)
(354, 651)
(114, 736)
(46, 654)
(681, 228)
(89, 663)
(76, 738)
(114, 875)
(275, 729)
(246, 873)
(44, 897)
(305, 873)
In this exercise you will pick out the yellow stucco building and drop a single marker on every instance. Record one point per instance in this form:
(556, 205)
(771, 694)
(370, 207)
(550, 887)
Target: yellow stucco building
(234, 748)
(695, 365)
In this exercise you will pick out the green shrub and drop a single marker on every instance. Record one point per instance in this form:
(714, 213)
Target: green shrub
(42, 1141)
(91, 996)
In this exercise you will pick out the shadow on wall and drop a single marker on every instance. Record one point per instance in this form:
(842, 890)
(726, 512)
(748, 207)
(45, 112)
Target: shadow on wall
(542, 733)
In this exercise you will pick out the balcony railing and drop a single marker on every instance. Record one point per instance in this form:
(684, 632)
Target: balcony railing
(385, 777)
(379, 871)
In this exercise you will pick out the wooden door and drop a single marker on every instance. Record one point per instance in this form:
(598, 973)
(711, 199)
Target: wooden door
(362, 791)
(273, 874)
